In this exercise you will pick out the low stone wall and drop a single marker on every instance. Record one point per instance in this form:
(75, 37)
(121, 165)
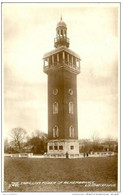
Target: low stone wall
(38, 156)
(74, 156)
(99, 154)
(55, 156)
(70, 156)
(7, 155)
(27, 155)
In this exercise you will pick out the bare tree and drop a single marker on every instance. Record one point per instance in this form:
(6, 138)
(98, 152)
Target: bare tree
(85, 145)
(111, 143)
(95, 141)
(17, 136)
(6, 145)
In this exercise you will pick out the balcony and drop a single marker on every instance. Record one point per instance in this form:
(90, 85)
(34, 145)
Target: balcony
(61, 41)
(67, 65)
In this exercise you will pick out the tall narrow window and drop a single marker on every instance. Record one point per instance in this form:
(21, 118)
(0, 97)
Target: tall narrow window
(61, 32)
(71, 131)
(70, 107)
(55, 108)
(55, 131)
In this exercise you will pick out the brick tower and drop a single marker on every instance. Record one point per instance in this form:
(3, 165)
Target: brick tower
(62, 66)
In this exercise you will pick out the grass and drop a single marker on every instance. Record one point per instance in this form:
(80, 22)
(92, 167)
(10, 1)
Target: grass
(101, 170)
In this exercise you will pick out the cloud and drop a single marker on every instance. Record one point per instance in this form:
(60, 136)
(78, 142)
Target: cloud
(97, 116)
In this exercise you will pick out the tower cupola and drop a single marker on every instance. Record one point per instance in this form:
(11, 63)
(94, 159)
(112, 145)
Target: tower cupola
(61, 35)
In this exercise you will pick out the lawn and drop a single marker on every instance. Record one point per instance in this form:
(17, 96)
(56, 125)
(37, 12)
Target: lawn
(102, 171)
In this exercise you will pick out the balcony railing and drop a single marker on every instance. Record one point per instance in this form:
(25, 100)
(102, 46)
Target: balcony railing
(61, 41)
(62, 38)
(57, 65)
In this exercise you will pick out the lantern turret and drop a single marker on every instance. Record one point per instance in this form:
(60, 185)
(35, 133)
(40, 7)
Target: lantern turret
(61, 35)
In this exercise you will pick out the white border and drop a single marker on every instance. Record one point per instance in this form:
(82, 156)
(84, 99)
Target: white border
(120, 106)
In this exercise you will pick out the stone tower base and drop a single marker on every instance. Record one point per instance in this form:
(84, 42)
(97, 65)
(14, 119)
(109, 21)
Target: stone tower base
(63, 149)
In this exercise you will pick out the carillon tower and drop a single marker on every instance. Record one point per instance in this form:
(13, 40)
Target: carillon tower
(62, 66)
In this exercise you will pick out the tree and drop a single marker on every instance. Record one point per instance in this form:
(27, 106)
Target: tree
(18, 136)
(85, 145)
(38, 145)
(111, 144)
(95, 141)
(39, 134)
(38, 141)
(6, 145)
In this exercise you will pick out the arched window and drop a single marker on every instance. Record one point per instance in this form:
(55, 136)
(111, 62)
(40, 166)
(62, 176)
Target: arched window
(55, 107)
(55, 131)
(71, 131)
(70, 107)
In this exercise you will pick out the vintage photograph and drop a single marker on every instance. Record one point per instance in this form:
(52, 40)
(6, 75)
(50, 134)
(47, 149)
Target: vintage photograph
(61, 97)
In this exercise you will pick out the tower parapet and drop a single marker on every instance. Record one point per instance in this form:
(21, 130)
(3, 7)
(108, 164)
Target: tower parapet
(61, 58)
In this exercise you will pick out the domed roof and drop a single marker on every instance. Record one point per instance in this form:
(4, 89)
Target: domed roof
(61, 24)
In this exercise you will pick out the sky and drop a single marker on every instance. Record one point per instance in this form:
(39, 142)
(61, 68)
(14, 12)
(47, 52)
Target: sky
(29, 30)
